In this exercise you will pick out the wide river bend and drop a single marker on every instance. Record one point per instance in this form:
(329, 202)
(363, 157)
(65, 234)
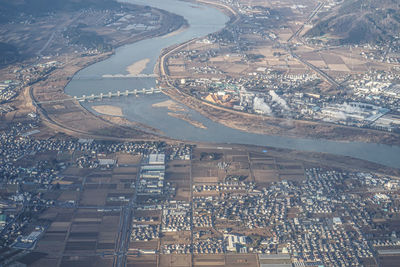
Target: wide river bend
(203, 20)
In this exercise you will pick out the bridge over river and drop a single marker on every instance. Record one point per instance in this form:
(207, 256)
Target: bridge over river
(101, 96)
(114, 76)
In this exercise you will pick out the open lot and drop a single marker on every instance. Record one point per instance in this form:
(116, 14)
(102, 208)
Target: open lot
(182, 237)
(175, 260)
(142, 261)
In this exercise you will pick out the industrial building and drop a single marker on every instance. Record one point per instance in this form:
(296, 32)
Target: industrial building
(152, 176)
(236, 243)
(157, 159)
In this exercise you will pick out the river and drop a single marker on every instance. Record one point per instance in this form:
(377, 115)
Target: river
(202, 20)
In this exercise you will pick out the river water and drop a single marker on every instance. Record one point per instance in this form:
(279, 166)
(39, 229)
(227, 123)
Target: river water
(202, 20)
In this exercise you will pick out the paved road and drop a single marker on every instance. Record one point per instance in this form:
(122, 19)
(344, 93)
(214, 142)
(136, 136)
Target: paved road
(328, 78)
(325, 76)
(58, 29)
(310, 17)
(125, 229)
(191, 213)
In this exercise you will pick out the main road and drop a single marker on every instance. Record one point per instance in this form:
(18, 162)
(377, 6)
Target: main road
(125, 227)
(320, 72)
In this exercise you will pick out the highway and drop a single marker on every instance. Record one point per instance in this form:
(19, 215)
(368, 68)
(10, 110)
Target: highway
(328, 78)
(310, 17)
(124, 233)
(59, 29)
(325, 76)
(191, 213)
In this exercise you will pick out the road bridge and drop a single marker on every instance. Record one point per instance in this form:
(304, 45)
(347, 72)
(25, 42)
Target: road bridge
(114, 76)
(100, 96)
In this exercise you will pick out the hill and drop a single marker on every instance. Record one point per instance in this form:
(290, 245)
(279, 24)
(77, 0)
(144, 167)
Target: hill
(359, 21)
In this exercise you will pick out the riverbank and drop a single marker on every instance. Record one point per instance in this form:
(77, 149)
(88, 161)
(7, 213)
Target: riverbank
(179, 112)
(321, 160)
(170, 105)
(226, 9)
(188, 119)
(137, 67)
(259, 124)
(108, 110)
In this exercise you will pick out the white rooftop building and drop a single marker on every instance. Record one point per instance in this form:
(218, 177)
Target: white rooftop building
(234, 241)
(157, 159)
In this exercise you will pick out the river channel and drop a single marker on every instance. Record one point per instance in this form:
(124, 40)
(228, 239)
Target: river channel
(203, 20)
